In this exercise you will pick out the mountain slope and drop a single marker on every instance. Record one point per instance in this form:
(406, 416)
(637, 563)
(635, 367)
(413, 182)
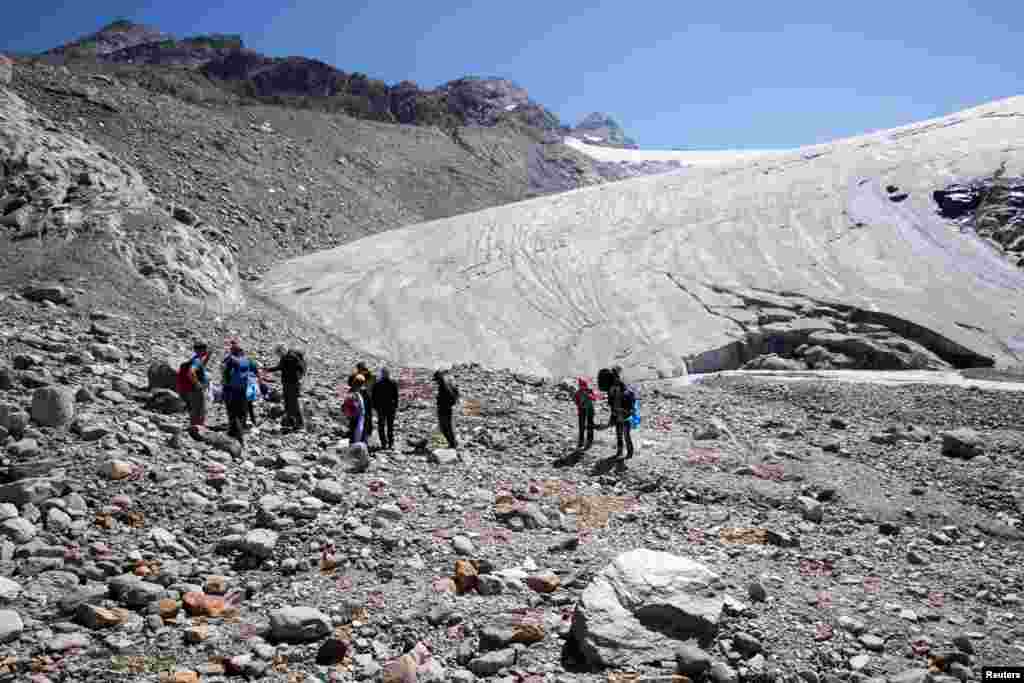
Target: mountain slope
(837, 247)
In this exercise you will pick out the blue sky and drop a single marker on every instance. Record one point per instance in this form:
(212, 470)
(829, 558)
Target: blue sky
(674, 73)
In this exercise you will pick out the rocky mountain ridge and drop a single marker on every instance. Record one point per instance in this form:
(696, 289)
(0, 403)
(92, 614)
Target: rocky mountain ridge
(309, 82)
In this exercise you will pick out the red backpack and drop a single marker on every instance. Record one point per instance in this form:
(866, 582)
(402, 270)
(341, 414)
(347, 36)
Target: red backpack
(183, 381)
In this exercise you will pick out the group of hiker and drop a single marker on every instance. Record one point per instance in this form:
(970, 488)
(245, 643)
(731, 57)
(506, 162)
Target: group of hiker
(243, 382)
(623, 406)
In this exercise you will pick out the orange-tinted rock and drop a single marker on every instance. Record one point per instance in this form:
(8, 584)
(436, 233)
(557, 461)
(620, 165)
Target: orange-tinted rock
(202, 605)
(465, 576)
(216, 584)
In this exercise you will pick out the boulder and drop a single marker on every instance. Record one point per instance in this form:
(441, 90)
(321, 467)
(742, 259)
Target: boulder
(33, 491)
(298, 624)
(166, 401)
(58, 294)
(13, 418)
(162, 375)
(11, 625)
(642, 607)
(53, 406)
(962, 443)
(260, 543)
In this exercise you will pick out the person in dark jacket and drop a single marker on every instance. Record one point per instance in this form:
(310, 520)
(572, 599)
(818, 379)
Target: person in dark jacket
(292, 366)
(619, 417)
(447, 397)
(237, 368)
(385, 402)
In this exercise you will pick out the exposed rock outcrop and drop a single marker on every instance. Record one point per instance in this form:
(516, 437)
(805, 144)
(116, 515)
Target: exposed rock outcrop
(56, 186)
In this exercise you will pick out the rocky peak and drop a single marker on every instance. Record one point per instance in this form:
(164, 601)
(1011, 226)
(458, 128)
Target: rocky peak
(601, 129)
(115, 36)
(485, 101)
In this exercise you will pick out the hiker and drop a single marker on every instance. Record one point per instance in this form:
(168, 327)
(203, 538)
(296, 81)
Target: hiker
(237, 370)
(447, 397)
(620, 404)
(354, 408)
(585, 412)
(369, 381)
(193, 382)
(385, 402)
(292, 366)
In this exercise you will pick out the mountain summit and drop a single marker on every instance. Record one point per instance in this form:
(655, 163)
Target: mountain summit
(601, 129)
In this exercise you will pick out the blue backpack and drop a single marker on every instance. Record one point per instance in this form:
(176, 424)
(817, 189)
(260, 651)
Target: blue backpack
(240, 371)
(631, 403)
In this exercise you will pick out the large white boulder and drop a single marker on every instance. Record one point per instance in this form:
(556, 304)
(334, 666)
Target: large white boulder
(642, 606)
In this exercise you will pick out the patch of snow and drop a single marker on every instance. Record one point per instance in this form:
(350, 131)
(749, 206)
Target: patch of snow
(636, 156)
(511, 107)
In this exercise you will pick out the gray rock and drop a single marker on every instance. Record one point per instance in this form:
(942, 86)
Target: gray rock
(9, 590)
(53, 406)
(723, 673)
(963, 643)
(57, 520)
(463, 546)
(872, 642)
(260, 543)
(746, 644)
(33, 491)
(811, 509)
(298, 624)
(443, 456)
(757, 592)
(692, 661)
(854, 626)
(18, 529)
(962, 443)
(491, 663)
(624, 615)
(25, 448)
(859, 662)
(142, 593)
(166, 402)
(329, 491)
(13, 419)
(11, 625)
(162, 375)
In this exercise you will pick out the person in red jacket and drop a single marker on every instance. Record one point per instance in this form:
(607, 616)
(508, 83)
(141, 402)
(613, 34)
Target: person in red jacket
(585, 398)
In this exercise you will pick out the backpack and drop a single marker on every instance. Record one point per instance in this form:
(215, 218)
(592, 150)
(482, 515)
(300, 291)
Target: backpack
(605, 378)
(351, 406)
(300, 359)
(252, 390)
(183, 380)
(631, 401)
(240, 372)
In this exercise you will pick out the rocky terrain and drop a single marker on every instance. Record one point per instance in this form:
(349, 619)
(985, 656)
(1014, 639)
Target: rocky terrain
(812, 532)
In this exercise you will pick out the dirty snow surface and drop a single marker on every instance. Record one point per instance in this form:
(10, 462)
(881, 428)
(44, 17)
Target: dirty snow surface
(646, 271)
